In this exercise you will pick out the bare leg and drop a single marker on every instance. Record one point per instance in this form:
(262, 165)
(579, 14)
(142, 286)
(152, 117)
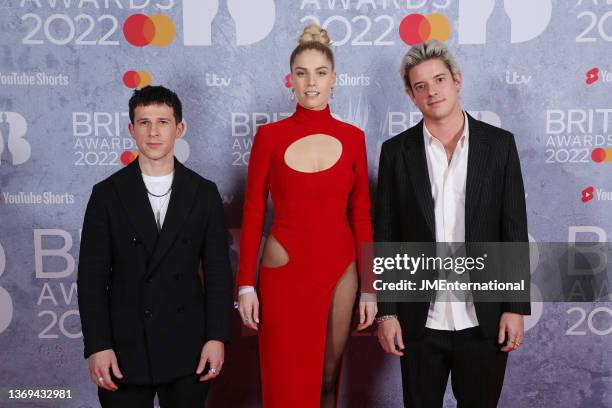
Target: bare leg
(338, 328)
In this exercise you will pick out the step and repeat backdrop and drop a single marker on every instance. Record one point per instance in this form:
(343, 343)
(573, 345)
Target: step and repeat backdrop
(539, 68)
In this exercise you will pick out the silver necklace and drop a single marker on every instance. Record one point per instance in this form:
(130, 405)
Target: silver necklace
(157, 211)
(161, 195)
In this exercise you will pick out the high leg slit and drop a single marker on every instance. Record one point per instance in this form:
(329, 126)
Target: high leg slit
(338, 330)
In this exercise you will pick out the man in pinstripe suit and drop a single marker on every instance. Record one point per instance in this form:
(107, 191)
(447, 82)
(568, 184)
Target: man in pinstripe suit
(450, 178)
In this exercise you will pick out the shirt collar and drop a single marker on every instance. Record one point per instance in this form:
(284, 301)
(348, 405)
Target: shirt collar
(429, 138)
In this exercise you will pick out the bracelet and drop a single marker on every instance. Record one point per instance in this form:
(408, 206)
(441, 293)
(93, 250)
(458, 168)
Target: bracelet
(243, 290)
(367, 297)
(384, 318)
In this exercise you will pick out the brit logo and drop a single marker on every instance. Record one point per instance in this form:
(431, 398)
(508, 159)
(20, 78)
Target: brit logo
(253, 19)
(14, 148)
(528, 19)
(6, 303)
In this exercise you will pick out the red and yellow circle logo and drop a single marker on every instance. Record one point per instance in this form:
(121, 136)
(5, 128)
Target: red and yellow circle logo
(136, 79)
(601, 155)
(140, 30)
(128, 156)
(416, 28)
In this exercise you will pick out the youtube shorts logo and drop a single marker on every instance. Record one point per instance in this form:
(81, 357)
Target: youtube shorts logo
(592, 75)
(598, 194)
(587, 194)
(598, 75)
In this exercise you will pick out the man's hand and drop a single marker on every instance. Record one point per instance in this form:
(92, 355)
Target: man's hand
(390, 334)
(100, 364)
(512, 324)
(213, 353)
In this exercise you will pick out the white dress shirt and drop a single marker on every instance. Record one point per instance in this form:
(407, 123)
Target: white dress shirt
(448, 191)
(159, 185)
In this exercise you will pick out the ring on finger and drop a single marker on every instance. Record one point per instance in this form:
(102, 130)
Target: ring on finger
(101, 380)
(213, 371)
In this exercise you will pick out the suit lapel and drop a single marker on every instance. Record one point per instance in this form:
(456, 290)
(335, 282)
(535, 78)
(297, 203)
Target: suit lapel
(133, 196)
(184, 189)
(478, 154)
(416, 166)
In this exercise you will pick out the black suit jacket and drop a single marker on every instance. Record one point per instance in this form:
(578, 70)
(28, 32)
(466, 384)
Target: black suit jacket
(140, 292)
(494, 207)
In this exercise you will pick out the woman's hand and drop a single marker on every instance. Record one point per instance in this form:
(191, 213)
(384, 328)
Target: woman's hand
(248, 307)
(367, 310)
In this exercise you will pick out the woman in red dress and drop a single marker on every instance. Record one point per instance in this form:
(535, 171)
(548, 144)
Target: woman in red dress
(315, 168)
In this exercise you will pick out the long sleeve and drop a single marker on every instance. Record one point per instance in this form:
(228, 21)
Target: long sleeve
(254, 210)
(359, 215)
(514, 222)
(386, 225)
(514, 212)
(217, 273)
(94, 276)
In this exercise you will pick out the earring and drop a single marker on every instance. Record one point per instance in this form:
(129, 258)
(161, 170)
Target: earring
(292, 94)
(332, 93)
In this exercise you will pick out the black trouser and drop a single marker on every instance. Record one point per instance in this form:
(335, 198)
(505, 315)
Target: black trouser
(476, 364)
(185, 392)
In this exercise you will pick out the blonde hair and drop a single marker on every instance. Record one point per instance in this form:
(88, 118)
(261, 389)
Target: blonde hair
(314, 33)
(432, 49)
(313, 38)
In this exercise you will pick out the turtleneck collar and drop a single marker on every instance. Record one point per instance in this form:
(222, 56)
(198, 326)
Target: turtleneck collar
(312, 116)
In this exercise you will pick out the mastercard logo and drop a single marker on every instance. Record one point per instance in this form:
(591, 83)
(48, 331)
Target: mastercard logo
(140, 30)
(127, 157)
(136, 79)
(417, 28)
(601, 155)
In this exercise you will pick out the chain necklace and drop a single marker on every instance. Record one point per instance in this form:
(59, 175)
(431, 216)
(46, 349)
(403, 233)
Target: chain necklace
(157, 211)
(156, 195)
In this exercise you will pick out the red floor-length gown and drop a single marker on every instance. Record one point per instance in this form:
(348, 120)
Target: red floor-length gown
(320, 219)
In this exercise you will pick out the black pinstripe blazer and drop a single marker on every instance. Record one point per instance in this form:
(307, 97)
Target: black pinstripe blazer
(494, 207)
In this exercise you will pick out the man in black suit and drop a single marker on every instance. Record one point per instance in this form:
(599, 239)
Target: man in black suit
(152, 324)
(450, 178)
